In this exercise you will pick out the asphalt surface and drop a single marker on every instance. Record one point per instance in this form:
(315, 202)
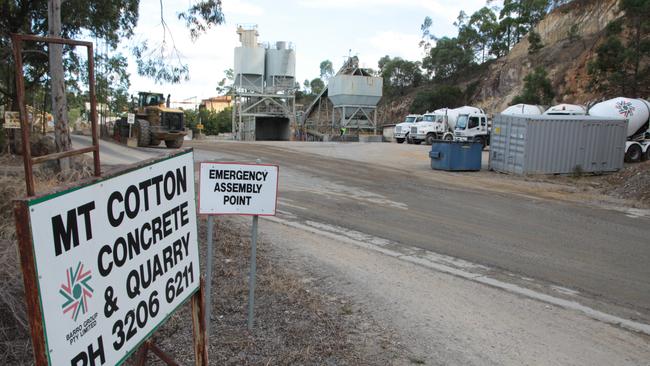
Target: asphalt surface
(602, 254)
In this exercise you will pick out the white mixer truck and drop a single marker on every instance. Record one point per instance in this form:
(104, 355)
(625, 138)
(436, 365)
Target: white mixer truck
(637, 113)
(403, 129)
(566, 110)
(441, 124)
(526, 109)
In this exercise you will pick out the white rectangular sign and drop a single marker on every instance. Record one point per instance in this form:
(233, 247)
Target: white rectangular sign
(130, 118)
(114, 259)
(238, 189)
(12, 120)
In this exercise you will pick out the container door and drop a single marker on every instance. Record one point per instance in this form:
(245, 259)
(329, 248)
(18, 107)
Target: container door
(591, 148)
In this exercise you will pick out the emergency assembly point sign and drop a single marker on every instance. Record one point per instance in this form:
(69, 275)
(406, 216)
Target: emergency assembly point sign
(114, 259)
(238, 189)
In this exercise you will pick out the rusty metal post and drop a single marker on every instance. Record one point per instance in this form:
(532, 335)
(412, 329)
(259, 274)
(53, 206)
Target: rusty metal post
(93, 108)
(17, 42)
(198, 326)
(26, 252)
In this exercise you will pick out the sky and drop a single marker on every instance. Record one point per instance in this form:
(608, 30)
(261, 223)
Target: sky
(318, 29)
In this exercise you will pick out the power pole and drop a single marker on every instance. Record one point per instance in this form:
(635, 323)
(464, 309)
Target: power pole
(57, 82)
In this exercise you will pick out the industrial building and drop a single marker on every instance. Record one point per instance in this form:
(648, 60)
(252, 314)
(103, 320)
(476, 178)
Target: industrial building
(264, 87)
(349, 101)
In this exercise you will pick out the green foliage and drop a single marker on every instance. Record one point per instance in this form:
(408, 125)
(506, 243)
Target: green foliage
(399, 74)
(534, 42)
(447, 58)
(225, 86)
(201, 16)
(213, 122)
(427, 36)
(621, 63)
(438, 97)
(573, 34)
(326, 69)
(317, 85)
(537, 89)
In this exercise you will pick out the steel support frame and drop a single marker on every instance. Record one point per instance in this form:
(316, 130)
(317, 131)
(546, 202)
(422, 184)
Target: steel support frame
(245, 105)
(17, 41)
(357, 108)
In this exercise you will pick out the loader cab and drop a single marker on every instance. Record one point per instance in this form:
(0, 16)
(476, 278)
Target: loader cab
(150, 99)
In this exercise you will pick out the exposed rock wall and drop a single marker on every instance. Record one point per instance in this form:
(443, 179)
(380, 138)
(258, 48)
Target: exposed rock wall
(565, 61)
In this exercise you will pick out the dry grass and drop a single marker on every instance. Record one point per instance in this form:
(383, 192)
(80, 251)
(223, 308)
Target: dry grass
(295, 324)
(15, 345)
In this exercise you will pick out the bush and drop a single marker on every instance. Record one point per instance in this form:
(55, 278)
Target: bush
(213, 122)
(439, 97)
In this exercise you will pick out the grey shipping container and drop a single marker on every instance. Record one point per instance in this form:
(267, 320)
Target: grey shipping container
(557, 144)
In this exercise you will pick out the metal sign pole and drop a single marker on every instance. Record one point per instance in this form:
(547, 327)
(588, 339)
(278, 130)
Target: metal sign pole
(253, 270)
(208, 287)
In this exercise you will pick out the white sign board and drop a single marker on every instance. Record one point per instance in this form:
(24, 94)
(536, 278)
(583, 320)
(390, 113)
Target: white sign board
(238, 189)
(12, 120)
(114, 259)
(130, 118)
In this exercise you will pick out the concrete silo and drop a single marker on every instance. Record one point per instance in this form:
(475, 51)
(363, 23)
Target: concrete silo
(264, 86)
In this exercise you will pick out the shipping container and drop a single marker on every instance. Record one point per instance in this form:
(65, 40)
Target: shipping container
(557, 144)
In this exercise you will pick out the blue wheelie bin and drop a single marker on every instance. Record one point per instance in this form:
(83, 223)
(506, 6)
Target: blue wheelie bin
(456, 155)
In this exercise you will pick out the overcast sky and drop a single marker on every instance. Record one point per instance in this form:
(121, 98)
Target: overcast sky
(318, 29)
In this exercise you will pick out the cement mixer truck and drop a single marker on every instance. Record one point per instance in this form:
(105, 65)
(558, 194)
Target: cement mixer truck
(441, 124)
(637, 113)
(525, 109)
(403, 129)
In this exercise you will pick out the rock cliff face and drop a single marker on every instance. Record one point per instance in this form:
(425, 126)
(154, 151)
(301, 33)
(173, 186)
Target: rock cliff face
(564, 60)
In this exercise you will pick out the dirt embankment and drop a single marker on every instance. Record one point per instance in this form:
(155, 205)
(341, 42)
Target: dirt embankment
(631, 183)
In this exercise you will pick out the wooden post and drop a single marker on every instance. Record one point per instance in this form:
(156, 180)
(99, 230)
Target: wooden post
(26, 251)
(199, 326)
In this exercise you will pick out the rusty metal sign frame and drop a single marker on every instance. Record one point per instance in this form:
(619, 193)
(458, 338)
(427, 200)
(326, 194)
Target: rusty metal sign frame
(29, 161)
(23, 230)
(35, 317)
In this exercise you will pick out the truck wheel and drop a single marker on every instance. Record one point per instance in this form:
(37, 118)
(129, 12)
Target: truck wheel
(175, 143)
(647, 154)
(448, 137)
(429, 139)
(408, 139)
(154, 141)
(633, 154)
(399, 141)
(142, 132)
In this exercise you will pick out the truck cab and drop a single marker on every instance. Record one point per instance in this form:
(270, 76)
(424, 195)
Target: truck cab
(402, 130)
(434, 126)
(473, 127)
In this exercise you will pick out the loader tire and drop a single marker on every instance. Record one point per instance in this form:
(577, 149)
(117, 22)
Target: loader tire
(142, 132)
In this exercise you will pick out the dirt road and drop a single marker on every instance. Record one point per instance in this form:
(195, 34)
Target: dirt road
(576, 252)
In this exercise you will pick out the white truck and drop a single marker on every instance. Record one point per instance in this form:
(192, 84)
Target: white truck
(525, 109)
(402, 130)
(566, 110)
(441, 123)
(473, 126)
(637, 114)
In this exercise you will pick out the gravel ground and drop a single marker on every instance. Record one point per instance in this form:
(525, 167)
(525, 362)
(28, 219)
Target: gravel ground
(296, 323)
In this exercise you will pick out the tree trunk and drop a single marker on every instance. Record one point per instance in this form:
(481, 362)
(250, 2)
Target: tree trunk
(57, 82)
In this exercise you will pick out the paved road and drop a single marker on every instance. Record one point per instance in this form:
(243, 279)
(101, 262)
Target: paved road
(602, 254)
(111, 153)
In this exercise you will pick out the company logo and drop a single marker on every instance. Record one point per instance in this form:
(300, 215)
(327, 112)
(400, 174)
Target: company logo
(76, 291)
(625, 108)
